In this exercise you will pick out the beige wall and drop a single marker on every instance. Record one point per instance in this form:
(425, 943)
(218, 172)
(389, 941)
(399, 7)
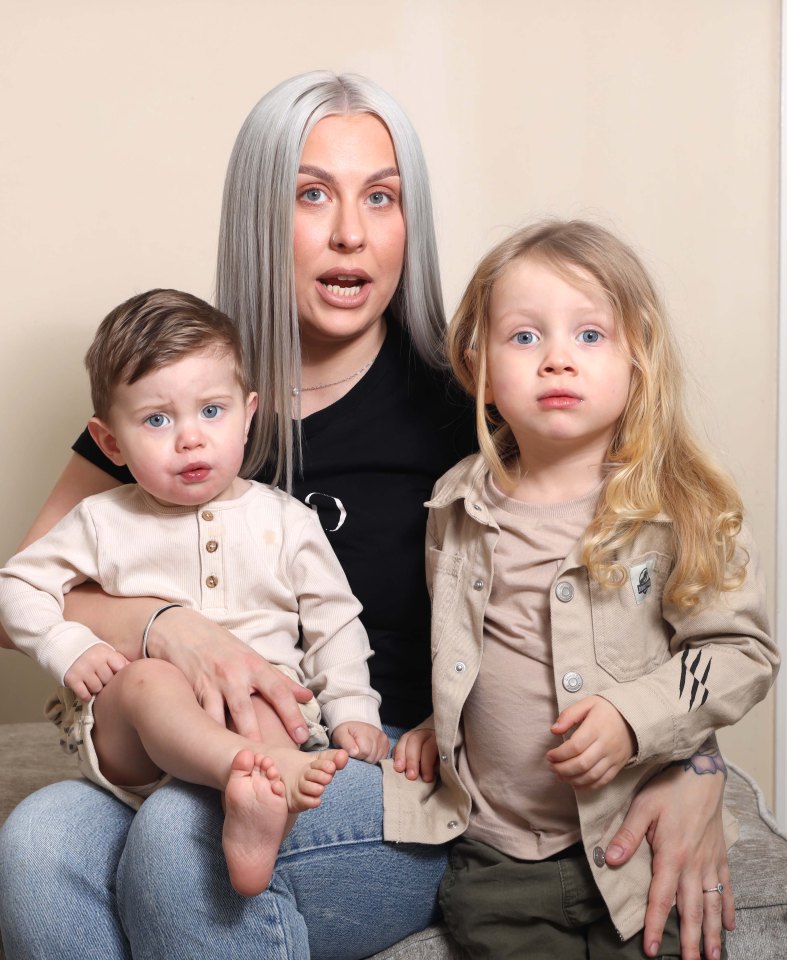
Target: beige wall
(660, 119)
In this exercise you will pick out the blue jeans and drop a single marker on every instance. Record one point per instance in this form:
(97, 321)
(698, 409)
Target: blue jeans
(80, 874)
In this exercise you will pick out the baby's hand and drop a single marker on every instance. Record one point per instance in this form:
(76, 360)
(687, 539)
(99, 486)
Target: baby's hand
(361, 740)
(93, 669)
(597, 750)
(416, 752)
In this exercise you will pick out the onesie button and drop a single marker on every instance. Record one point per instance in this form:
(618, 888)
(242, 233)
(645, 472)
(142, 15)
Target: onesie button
(598, 857)
(564, 591)
(212, 581)
(207, 515)
(572, 681)
(212, 546)
(478, 585)
(459, 666)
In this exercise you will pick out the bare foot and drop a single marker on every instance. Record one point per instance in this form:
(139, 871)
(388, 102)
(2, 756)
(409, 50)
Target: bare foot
(306, 775)
(255, 821)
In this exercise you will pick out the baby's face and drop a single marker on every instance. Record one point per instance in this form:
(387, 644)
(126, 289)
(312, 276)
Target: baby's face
(181, 429)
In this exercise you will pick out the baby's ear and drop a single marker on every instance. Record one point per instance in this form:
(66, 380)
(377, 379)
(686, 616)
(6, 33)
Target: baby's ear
(251, 409)
(105, 439)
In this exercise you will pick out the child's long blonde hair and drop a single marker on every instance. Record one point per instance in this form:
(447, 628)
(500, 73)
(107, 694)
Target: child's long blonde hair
(654, 463)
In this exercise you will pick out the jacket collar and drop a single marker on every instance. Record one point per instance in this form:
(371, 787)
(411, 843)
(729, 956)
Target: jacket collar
(465, 482)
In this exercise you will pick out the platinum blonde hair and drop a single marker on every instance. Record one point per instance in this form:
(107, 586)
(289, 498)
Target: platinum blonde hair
(255, 274)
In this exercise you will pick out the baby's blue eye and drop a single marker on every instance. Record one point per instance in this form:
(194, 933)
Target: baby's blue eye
(210, 412)
(590, 336)
(157, 420)
(525, 337)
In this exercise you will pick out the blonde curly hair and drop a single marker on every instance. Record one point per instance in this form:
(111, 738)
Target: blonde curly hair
(654, 462)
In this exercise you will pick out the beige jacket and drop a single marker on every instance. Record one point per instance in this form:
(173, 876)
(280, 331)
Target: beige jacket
(675, 676)
(259, 565)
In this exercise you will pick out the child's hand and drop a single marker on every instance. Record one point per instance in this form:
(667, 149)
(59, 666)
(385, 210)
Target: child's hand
(597, 750)
(416, 752)
(361, 740)
(93, 669)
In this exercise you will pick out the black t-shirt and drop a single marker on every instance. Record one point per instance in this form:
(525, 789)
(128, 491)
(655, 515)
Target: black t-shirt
(370, 461)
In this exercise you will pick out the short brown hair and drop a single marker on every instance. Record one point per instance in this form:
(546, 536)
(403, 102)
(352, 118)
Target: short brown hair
(152, 330)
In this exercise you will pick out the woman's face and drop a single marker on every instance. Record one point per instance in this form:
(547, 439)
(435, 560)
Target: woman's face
(349, 229)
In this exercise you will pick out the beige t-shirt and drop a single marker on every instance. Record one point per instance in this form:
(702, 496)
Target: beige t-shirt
(519, 807)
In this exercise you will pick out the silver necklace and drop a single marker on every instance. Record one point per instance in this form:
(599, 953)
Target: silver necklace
(296, 391)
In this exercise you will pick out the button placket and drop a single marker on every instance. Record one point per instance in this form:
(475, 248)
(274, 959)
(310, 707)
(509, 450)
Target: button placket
(211, 565)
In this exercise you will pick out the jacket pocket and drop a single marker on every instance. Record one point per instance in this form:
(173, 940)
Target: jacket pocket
(445, 570)
(630, 636)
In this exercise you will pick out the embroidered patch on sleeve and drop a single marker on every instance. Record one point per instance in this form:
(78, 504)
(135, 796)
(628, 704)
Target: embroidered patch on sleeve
(694, 672)
(641, 582)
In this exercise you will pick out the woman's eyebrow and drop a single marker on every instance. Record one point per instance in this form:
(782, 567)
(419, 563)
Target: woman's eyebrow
(320, 174)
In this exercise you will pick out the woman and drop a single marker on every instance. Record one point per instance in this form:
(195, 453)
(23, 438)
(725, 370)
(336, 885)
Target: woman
(339, 304)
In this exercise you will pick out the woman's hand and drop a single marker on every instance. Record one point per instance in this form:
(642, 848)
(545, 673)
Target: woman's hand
(224, 672)
(416, 753)
(679, 812)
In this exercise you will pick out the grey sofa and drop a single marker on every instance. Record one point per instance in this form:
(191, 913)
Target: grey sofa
(30, 758)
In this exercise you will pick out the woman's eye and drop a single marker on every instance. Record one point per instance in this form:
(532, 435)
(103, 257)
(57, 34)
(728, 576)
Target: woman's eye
(157, 420)
(379, 199)
(525, 337)
(590, 336)
(313, 195)
(211, 411)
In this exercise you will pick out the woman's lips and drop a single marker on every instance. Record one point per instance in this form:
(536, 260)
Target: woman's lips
(344, 288)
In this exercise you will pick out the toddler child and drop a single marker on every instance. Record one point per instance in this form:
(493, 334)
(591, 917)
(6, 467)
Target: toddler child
(172, 401)
(588, 564)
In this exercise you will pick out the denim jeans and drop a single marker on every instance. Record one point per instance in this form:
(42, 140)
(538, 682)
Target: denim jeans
(79, 874)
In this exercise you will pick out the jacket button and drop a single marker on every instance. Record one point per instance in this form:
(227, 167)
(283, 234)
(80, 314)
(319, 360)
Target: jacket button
(598, 857)
(207, 515)
(478, 585)
(476, 506)
(564, 591)
(452, 824)
(212, 546)
(443, 757)
(459, 666)
(572, 681)
(212, 581)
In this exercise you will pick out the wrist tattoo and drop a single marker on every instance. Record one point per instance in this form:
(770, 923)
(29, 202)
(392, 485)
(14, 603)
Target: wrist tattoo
(707, 759)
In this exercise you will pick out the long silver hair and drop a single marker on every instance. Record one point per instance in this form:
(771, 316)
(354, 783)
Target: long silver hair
(255, 275)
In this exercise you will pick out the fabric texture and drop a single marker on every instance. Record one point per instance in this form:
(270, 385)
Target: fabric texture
(593, 653)
(517, 804)
(501, 908)
(259, 565)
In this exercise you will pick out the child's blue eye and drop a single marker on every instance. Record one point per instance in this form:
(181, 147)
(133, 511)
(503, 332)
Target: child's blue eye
(210, 412)
(590, 336)
(157, 420)
(525, 337)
